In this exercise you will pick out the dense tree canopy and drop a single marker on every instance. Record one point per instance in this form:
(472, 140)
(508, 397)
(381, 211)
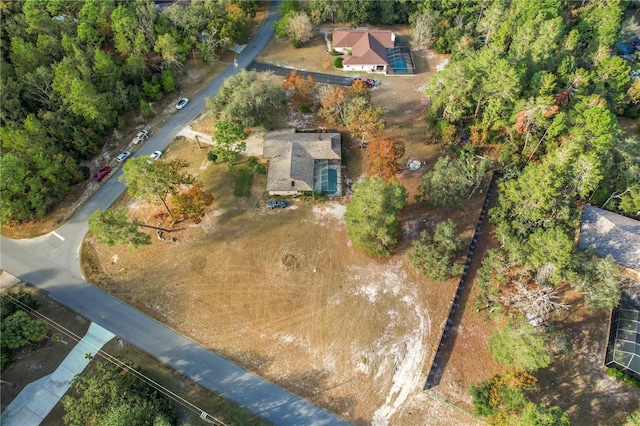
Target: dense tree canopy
(112, 227)
(70, 69)
(521, 346)
(598, 280)
(229, 143)
(383, 158)
(434, 252)
(155, 180)
(503, 400)
(452, 180)
(371, 215)
(18, 328)
(109, 395)
(247, 99)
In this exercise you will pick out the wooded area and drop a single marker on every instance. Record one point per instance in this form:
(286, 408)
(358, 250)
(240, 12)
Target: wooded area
(537, 87)
(70, 70)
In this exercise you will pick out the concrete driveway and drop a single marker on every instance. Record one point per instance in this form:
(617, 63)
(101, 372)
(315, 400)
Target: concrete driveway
(38, 398)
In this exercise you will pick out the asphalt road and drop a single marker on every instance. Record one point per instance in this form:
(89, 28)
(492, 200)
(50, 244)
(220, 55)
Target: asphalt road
(51, 263)
(318, 77)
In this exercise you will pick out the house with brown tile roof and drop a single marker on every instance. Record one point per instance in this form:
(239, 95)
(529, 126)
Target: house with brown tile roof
(303, 162)
(365, 50)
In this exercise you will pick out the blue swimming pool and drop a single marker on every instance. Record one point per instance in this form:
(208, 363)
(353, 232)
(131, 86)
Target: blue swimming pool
(399, 65)
(400, 60)
(330, 181)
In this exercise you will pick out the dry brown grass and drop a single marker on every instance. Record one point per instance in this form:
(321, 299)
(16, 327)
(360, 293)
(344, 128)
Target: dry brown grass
(284, 293)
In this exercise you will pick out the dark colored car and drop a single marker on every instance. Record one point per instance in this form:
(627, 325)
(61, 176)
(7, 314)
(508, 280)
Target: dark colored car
(370, 82)
(276, 204)
(100, 174)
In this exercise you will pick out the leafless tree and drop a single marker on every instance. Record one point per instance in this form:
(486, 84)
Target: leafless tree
(423, 29)
(535, 301)
(300, 28)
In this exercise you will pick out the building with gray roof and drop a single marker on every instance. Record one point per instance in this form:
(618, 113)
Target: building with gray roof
(303, 162)
(610, 233)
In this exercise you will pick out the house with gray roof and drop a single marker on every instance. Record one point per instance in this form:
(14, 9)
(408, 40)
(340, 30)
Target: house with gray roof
(610, 233)
(301, 161)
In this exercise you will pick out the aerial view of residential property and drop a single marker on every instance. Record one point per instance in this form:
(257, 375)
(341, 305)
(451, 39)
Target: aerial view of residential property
(320, 212)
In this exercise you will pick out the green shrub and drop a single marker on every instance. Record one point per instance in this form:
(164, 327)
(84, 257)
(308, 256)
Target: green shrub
(619, 375)
(84, 172)
(612, 372)
(448, 42)
(336, 53)
(252, 162)
(314, 196)
(15, 300)
(152, 89)
(168, 81)
(338, 62)
(212, 156)
(305, 109)
(145, 108)
(255, 166)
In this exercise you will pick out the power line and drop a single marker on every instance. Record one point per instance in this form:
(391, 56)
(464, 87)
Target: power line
(120, 364)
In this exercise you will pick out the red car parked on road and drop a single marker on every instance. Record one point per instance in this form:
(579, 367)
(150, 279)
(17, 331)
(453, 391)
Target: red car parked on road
(100, 174)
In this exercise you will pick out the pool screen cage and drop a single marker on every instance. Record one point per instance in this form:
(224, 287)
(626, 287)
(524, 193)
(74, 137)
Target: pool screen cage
(623, 348)
(400, 60)
(327, 178)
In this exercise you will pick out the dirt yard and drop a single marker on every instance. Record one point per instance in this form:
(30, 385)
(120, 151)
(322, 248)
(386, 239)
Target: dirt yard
(286, 295)
(289, 298)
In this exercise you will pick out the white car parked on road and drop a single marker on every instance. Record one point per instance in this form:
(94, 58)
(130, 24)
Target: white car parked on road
(141, 136)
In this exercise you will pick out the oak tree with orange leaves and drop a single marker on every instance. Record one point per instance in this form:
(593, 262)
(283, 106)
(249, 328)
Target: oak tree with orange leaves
(303, 89)
(333, 101)
(359, 89)
(364, 120)
(191, 204)
(383, 158)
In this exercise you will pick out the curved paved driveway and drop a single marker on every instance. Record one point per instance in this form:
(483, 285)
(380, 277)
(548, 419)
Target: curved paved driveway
(51, 263)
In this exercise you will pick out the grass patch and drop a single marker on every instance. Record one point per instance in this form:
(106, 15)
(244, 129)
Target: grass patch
(613, 372)
(244, 179)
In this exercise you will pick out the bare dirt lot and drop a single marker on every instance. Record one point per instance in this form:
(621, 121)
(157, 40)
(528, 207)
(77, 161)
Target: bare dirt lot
(286, 295)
